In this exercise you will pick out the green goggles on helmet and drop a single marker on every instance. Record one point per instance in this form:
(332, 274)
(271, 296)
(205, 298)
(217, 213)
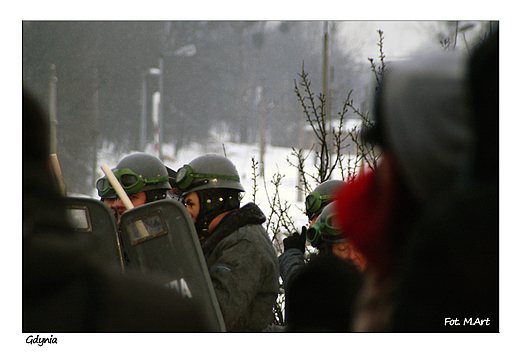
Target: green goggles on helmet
(130, 181)
(314, 201)
(326, 230)
(186, 174)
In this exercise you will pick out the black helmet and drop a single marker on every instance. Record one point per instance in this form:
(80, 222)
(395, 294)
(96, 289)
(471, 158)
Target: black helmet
(211, 171)
(320, 197)
(325, 229)
(215, 180)
(137, 172)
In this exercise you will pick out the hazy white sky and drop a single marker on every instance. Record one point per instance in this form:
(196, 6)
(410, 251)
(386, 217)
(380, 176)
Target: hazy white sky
(400, 38)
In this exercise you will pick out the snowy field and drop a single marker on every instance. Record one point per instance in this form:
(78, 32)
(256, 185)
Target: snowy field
(242, 155)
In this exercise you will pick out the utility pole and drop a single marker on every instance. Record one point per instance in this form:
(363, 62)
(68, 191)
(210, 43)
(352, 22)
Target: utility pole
(161, 108)
(52, 110)
(326, 107)
(157, 100)
(326, 95)
(95, 124)
(187, 50)
(153, 71)
(142, 136)
(260, 99)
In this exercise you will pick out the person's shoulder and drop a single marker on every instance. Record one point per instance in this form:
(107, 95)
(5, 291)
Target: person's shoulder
(250, 238)
(252, 213)
(253, 233)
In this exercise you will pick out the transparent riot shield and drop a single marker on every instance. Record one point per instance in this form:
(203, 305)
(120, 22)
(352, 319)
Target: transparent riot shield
(94, 219)
(160, 241)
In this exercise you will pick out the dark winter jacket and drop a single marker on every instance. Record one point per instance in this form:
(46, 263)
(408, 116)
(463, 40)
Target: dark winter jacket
(450, 268)
(244, 270)
(66, 288)
(320, 297)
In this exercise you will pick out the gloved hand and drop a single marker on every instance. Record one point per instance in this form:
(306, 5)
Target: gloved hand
(296, 241)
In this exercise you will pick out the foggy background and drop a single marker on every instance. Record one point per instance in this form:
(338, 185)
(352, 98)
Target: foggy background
(230, 79)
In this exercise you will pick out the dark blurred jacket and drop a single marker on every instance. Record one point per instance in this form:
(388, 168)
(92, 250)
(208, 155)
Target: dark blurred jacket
(450, 268)
(64, 288)
(321, 296)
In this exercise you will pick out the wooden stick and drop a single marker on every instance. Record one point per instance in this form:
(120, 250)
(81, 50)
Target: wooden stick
(141, 228)
(58, 174)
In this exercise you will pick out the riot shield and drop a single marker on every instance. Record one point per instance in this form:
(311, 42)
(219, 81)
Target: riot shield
(94, 219)
(161, 241)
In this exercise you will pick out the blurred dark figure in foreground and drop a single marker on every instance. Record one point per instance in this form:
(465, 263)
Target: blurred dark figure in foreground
(320, 296)
(427, 218)
(64, 288)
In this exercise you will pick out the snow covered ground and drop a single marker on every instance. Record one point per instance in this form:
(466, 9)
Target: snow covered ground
(242, 156)
(276, 162)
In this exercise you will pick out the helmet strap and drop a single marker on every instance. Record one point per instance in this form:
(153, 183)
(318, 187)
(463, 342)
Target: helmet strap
(213, 202)
(155, 194)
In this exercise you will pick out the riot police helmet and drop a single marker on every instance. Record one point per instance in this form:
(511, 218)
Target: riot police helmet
(326, 228)
(210, 171)
(137, 172)
(320, 197)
